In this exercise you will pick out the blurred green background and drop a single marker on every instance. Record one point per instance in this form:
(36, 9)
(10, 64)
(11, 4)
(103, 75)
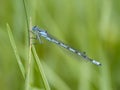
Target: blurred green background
(92, 26)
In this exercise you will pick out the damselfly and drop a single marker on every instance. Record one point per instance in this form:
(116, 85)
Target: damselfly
(42, 33)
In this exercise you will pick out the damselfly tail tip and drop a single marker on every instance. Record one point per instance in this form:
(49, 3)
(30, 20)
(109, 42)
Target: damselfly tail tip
(96, 63)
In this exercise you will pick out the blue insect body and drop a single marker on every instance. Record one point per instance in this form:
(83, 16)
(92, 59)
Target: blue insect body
(42, 33)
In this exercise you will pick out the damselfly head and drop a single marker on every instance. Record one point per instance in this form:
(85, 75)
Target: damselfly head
(35, 28)
(39, 31)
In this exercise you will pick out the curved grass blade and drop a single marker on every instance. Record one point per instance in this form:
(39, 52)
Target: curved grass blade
(47, 87)
(12, 41)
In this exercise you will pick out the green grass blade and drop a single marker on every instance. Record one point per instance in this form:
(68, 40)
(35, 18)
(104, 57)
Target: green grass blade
(12, 41)
(28, 72)
(47, 87)
(29, 62)
(27, 22)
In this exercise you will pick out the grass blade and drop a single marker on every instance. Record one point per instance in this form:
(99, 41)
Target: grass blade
(47, 87)
(12, 41)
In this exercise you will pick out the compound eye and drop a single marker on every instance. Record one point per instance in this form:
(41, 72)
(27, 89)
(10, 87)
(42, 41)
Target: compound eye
(35, 28)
